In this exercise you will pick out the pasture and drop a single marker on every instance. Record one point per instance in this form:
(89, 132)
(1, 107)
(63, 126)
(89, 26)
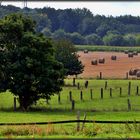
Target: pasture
(108, 108)
(104, 99)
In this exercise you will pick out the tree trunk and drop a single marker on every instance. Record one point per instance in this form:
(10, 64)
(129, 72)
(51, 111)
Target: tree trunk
(24, 103)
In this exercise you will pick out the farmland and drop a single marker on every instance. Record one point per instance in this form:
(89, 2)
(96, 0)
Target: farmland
(110, 69)
(112, 105)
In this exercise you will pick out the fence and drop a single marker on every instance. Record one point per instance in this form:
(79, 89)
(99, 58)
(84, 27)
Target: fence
(72, 121)
(105, 92)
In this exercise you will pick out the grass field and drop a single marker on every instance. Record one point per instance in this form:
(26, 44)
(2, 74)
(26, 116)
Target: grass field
(106, 48)
(114, 108)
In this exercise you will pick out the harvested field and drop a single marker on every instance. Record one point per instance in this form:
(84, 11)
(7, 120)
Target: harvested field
(110, 69)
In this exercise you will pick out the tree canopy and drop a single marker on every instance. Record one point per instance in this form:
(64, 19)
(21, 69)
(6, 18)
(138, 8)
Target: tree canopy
(66, 54)
(28, 67)
(77, 24)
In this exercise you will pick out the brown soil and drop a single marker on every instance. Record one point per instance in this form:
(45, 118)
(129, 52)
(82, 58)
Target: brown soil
(111, 68)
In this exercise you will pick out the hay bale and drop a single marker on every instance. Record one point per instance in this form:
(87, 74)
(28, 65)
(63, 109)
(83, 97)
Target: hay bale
(85, 51)
(133, 71)
(135, 53)
(94, 62)
(138, 73)
(126, 51)
(130, 54)
(102, 60)
(113, 57)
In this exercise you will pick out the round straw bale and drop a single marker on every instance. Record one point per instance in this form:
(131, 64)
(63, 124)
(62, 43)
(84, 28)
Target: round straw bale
(138, 73)
(113, 57)
(131, 72)
(135, 53)
(94, 62)
(102, 60)
(85, 51)
(130, 54)
(126, 51)
(136, 70)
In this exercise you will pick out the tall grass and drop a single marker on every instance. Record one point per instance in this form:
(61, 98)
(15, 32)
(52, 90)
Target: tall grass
(89, 131)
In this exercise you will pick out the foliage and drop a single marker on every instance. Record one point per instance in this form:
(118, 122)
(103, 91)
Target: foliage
(113, 40)
(66, 53)
(77, 23)
(76, 38)
(93, 39)
(28, 67)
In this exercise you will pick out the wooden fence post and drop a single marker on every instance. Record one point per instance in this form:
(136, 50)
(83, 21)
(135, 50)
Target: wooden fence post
(129, 88)
(120, 91)
(81, 96)
(100, 75)
(91, 94)
(86, 84)
(83, 122)
(78, 118)
(73, 81)
(137, 91)
(78, 85)
(72, 105)
(102, 93)
(129, 104)
(111, 92)
(59, 98)
(70, 96)
(105, 84)
(15, 104)
(127, 75)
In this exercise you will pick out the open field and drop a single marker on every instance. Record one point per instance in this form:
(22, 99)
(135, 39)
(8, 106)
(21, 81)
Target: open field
(88, 104)
(110, 69)
(108, 108)
(106, 48)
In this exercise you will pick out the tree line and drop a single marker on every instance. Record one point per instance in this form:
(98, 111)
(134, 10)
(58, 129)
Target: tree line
(81, 26)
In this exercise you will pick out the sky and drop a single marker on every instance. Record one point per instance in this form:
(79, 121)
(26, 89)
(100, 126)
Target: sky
(114, 8)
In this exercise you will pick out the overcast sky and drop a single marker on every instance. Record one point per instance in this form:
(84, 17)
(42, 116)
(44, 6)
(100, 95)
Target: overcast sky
(108, 8)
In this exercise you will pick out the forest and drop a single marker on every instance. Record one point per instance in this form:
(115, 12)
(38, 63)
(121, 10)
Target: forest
(81, 26)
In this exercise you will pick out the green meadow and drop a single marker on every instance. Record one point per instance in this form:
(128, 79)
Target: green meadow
(106, 48)
(108, 108)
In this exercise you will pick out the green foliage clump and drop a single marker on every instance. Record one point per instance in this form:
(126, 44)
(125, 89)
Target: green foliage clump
(27, 65)
(66, 54)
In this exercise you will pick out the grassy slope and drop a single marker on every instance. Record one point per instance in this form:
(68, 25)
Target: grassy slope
(106, 48)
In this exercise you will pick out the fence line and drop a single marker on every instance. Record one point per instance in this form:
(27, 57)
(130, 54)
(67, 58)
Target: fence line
(71, 121)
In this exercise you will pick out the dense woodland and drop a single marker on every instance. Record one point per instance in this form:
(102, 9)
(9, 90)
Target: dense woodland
(81, 26)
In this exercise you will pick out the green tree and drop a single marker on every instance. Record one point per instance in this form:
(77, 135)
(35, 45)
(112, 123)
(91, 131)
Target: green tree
(77, 38)
(27, 66)
(113, 40)
(66, 54)
(130, 39)
(46, 32)
(94, 39)
(138, 40)
(59, 34)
